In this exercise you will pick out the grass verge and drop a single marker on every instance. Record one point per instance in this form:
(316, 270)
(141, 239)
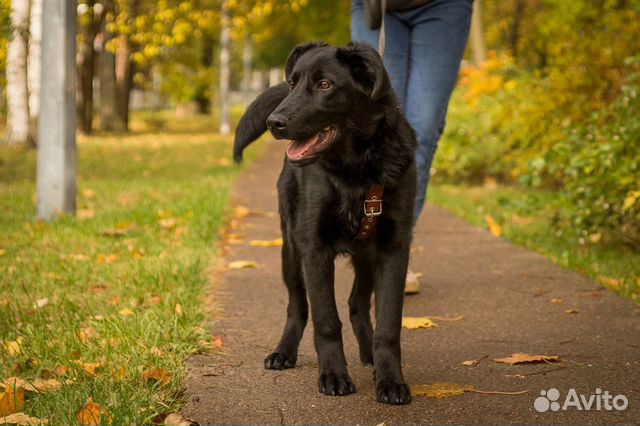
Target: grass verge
(111, 302)
(533, 219)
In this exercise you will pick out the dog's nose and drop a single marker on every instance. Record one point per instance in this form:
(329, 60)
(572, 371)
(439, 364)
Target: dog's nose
(276, 121)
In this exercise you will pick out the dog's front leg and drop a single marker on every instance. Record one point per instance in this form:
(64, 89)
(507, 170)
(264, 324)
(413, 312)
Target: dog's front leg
(389, 292)
(319, 277)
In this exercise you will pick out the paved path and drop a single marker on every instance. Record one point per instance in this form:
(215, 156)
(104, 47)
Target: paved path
(503, 292)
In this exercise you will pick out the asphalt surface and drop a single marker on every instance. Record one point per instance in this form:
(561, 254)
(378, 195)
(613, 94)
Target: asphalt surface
(503, 293)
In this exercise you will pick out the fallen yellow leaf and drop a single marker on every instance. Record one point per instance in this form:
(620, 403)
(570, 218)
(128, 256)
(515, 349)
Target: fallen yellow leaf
(157, 375)
(14, 347)
(266, 243)
(11, 401)
(88, 193)
(176, 419)
(571, 311)
(89, 368)
(87, 333)
(241, 264)
(610, 282)
(178, 310)
(218, 342)
(521, 358)
(241, 212)
(126, 312)
(446, 390)
(22, 419)
(168, 223)
(556, 301)
(439, 390)
(413, 323)
(107, 259)
(86, 214)
(494, 228)
(36, 385)
(40, 303)
(469, 362)
(2, 252)
(93, 414)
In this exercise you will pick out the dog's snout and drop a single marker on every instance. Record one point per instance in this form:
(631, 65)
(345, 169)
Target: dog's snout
(277, 122)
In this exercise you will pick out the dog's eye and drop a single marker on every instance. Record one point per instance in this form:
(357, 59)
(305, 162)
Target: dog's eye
(290, 83)
(324, 85)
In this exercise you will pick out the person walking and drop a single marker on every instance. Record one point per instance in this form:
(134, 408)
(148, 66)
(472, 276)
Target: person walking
(424, 44)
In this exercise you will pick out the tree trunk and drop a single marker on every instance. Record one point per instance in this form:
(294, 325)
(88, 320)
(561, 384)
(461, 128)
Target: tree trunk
(514, 36)
(478, 45)
(17, 93)
(124, 80)
(109, 120)
(34, 66)
(86, 63)
(225, 41)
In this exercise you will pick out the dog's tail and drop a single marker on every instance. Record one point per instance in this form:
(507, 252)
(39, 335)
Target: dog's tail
(254, 121)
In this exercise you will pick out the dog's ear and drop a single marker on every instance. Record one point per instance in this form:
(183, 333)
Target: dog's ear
(366, 68)
(297, 52)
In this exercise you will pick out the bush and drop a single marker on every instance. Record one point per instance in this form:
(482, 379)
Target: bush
(600, 165)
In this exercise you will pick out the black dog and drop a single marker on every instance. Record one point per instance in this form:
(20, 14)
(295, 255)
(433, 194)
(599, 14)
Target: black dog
(349, 140)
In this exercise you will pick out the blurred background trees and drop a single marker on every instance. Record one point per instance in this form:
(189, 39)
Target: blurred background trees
(552, 103)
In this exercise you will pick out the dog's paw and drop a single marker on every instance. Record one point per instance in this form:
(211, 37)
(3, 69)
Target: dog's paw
(336, 384)
(393, 393)
(278, 361)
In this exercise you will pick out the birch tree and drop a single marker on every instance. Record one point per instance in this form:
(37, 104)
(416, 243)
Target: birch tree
(34, 64)
(17, 93)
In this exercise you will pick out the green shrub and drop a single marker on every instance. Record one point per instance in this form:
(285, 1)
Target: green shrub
(600, 166)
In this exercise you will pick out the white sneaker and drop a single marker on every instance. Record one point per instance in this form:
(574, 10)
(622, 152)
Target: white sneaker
(412, 285)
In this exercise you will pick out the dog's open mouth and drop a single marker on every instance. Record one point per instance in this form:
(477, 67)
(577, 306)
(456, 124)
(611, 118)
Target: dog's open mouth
(308, 148)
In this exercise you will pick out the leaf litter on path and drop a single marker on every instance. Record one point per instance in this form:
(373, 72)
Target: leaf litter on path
(440, 390)
(266, 243)
(522, 358)
(242, 264)
(413, 323)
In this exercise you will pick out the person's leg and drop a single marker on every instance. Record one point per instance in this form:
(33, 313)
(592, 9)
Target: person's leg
(396, 55)
(438, 38)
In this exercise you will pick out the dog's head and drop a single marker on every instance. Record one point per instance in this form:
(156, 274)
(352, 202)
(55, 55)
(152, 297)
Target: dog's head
(333, 92)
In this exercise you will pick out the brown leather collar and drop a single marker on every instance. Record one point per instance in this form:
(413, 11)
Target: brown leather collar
(372, 209)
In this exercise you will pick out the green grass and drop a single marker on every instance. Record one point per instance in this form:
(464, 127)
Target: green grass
(534, 219)
(167, 194)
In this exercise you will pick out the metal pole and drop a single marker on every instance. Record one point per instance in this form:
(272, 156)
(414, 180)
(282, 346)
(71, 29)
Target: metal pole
(56, 171)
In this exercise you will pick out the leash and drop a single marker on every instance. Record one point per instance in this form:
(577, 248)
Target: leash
(382, 38)
(373, 198)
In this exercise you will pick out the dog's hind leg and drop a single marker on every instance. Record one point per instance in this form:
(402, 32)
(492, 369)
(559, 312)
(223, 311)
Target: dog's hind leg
(286, 353)
(360, 306)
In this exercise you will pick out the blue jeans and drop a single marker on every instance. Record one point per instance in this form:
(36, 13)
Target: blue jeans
(423, 51)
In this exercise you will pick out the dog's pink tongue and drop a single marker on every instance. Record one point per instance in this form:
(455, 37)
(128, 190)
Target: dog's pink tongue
(298, 149)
